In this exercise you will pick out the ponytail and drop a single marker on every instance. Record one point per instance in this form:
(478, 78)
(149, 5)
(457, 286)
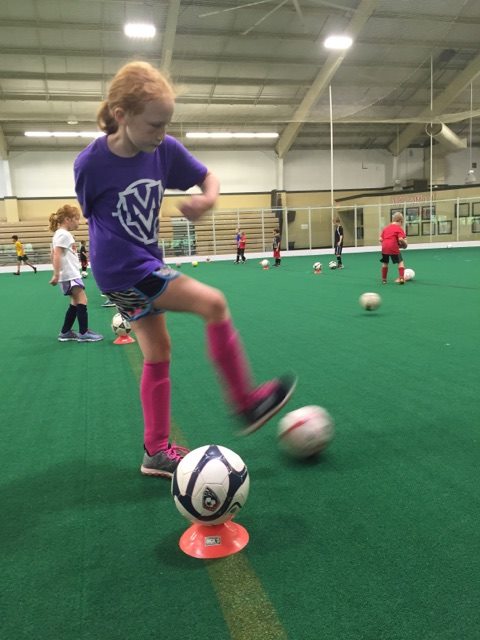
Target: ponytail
(58, 218)
(105, 120)
(53, 222)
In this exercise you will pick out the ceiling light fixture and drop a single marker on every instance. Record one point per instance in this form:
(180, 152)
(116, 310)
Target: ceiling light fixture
(228, 135)
(139, 30)
(64, 134)
(338, 42)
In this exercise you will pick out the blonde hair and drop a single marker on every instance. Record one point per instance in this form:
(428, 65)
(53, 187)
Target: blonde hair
(133, 85)
(58, 218)
(397, 217)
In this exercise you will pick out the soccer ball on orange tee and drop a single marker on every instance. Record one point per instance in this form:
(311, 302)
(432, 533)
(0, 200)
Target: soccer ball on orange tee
(120, 326)
(210, 485)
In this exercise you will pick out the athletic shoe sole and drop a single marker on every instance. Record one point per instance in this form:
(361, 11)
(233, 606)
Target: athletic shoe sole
(251, 428)
(157, 473)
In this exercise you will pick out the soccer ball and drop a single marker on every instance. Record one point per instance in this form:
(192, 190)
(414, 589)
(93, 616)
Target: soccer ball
(317, 266)
(210, 485)
(370, 301)
(194, 263)
(84, 274)
(305, 432)
(409, 274)
(265, 263)
(332, 264)
(120, 326)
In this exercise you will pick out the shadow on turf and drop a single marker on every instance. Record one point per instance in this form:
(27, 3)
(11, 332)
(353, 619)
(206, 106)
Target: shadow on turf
(28, 501)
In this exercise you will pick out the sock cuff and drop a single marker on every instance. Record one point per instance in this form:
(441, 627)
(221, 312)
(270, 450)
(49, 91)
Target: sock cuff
(161, 369)
(223, 329)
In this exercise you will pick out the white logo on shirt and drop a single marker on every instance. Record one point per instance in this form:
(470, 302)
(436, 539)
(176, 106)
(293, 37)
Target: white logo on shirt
(137, 209)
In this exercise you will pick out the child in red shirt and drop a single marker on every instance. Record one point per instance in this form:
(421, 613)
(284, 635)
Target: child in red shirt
(276, 247)
(392, 238)
(241, 247)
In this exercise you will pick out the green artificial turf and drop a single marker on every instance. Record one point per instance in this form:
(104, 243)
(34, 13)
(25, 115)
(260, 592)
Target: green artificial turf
(378, 539)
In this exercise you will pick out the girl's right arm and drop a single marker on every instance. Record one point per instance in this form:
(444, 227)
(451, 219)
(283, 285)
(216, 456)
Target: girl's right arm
(56, 263)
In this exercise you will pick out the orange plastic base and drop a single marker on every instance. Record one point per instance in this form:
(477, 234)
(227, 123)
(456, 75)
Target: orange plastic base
(123, 340)
(265, 268)
(318, 272)
(213, 541)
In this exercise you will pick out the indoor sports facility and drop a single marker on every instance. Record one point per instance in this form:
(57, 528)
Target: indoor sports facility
(375, 538)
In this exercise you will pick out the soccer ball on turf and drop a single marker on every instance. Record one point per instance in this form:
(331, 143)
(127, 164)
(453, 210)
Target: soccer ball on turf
(370, 301)
(120, 326)
(265, 263)
(409, 274)
(194, 263)
(84, 274)
(317, 266)
(210, 485)
(305, 432)
(332, 264)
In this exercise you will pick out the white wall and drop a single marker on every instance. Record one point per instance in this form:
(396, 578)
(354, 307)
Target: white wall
(458, 164)
(37, 174)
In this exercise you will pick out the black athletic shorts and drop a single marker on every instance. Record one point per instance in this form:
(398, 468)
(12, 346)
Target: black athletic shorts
(396, 258)
(137, 302)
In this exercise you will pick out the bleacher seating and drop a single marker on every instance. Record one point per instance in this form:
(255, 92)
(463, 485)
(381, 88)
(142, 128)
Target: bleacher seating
(213, 234)
(36, 238)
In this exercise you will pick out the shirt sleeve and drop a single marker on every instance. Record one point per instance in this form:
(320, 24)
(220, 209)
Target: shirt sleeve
(184, 170)
(62, 239)
(82, 186)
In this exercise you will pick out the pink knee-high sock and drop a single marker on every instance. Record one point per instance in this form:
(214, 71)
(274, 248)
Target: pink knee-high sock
(155, 397)
(228, 355)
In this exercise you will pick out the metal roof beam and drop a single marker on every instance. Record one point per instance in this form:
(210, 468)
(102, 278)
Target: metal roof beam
(440, 103)
(321, 82)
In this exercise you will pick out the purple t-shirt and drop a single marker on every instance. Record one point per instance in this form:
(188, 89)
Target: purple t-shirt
(121, 198)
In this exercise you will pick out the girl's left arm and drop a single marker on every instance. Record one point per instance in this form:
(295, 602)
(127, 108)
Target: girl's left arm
(195, 206)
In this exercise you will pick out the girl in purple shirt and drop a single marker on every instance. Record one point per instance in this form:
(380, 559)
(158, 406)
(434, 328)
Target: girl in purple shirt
(120, 180)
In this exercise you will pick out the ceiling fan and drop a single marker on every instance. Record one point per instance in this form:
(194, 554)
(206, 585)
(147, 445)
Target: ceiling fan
(277, 6)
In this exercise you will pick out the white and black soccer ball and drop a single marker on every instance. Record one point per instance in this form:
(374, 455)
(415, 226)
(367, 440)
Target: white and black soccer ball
(84, 274)
(120, 326)
(409, 274)
(332, 264)
(370, 300)
(317, 266)
(305, 432)
(210, 485)
(265, 263)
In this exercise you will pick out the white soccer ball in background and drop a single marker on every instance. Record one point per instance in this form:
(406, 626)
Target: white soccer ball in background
(210, 485)
(370, 301)
(305, 432)
(84, 274)
(317, 266)
(120, 326)
(265, 263)
(409, 274)
(332, 264)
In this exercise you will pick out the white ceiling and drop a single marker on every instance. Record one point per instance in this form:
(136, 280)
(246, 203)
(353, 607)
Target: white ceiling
(248, 66)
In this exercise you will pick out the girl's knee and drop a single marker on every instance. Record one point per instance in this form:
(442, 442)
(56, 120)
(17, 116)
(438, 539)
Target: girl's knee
(218, 307)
